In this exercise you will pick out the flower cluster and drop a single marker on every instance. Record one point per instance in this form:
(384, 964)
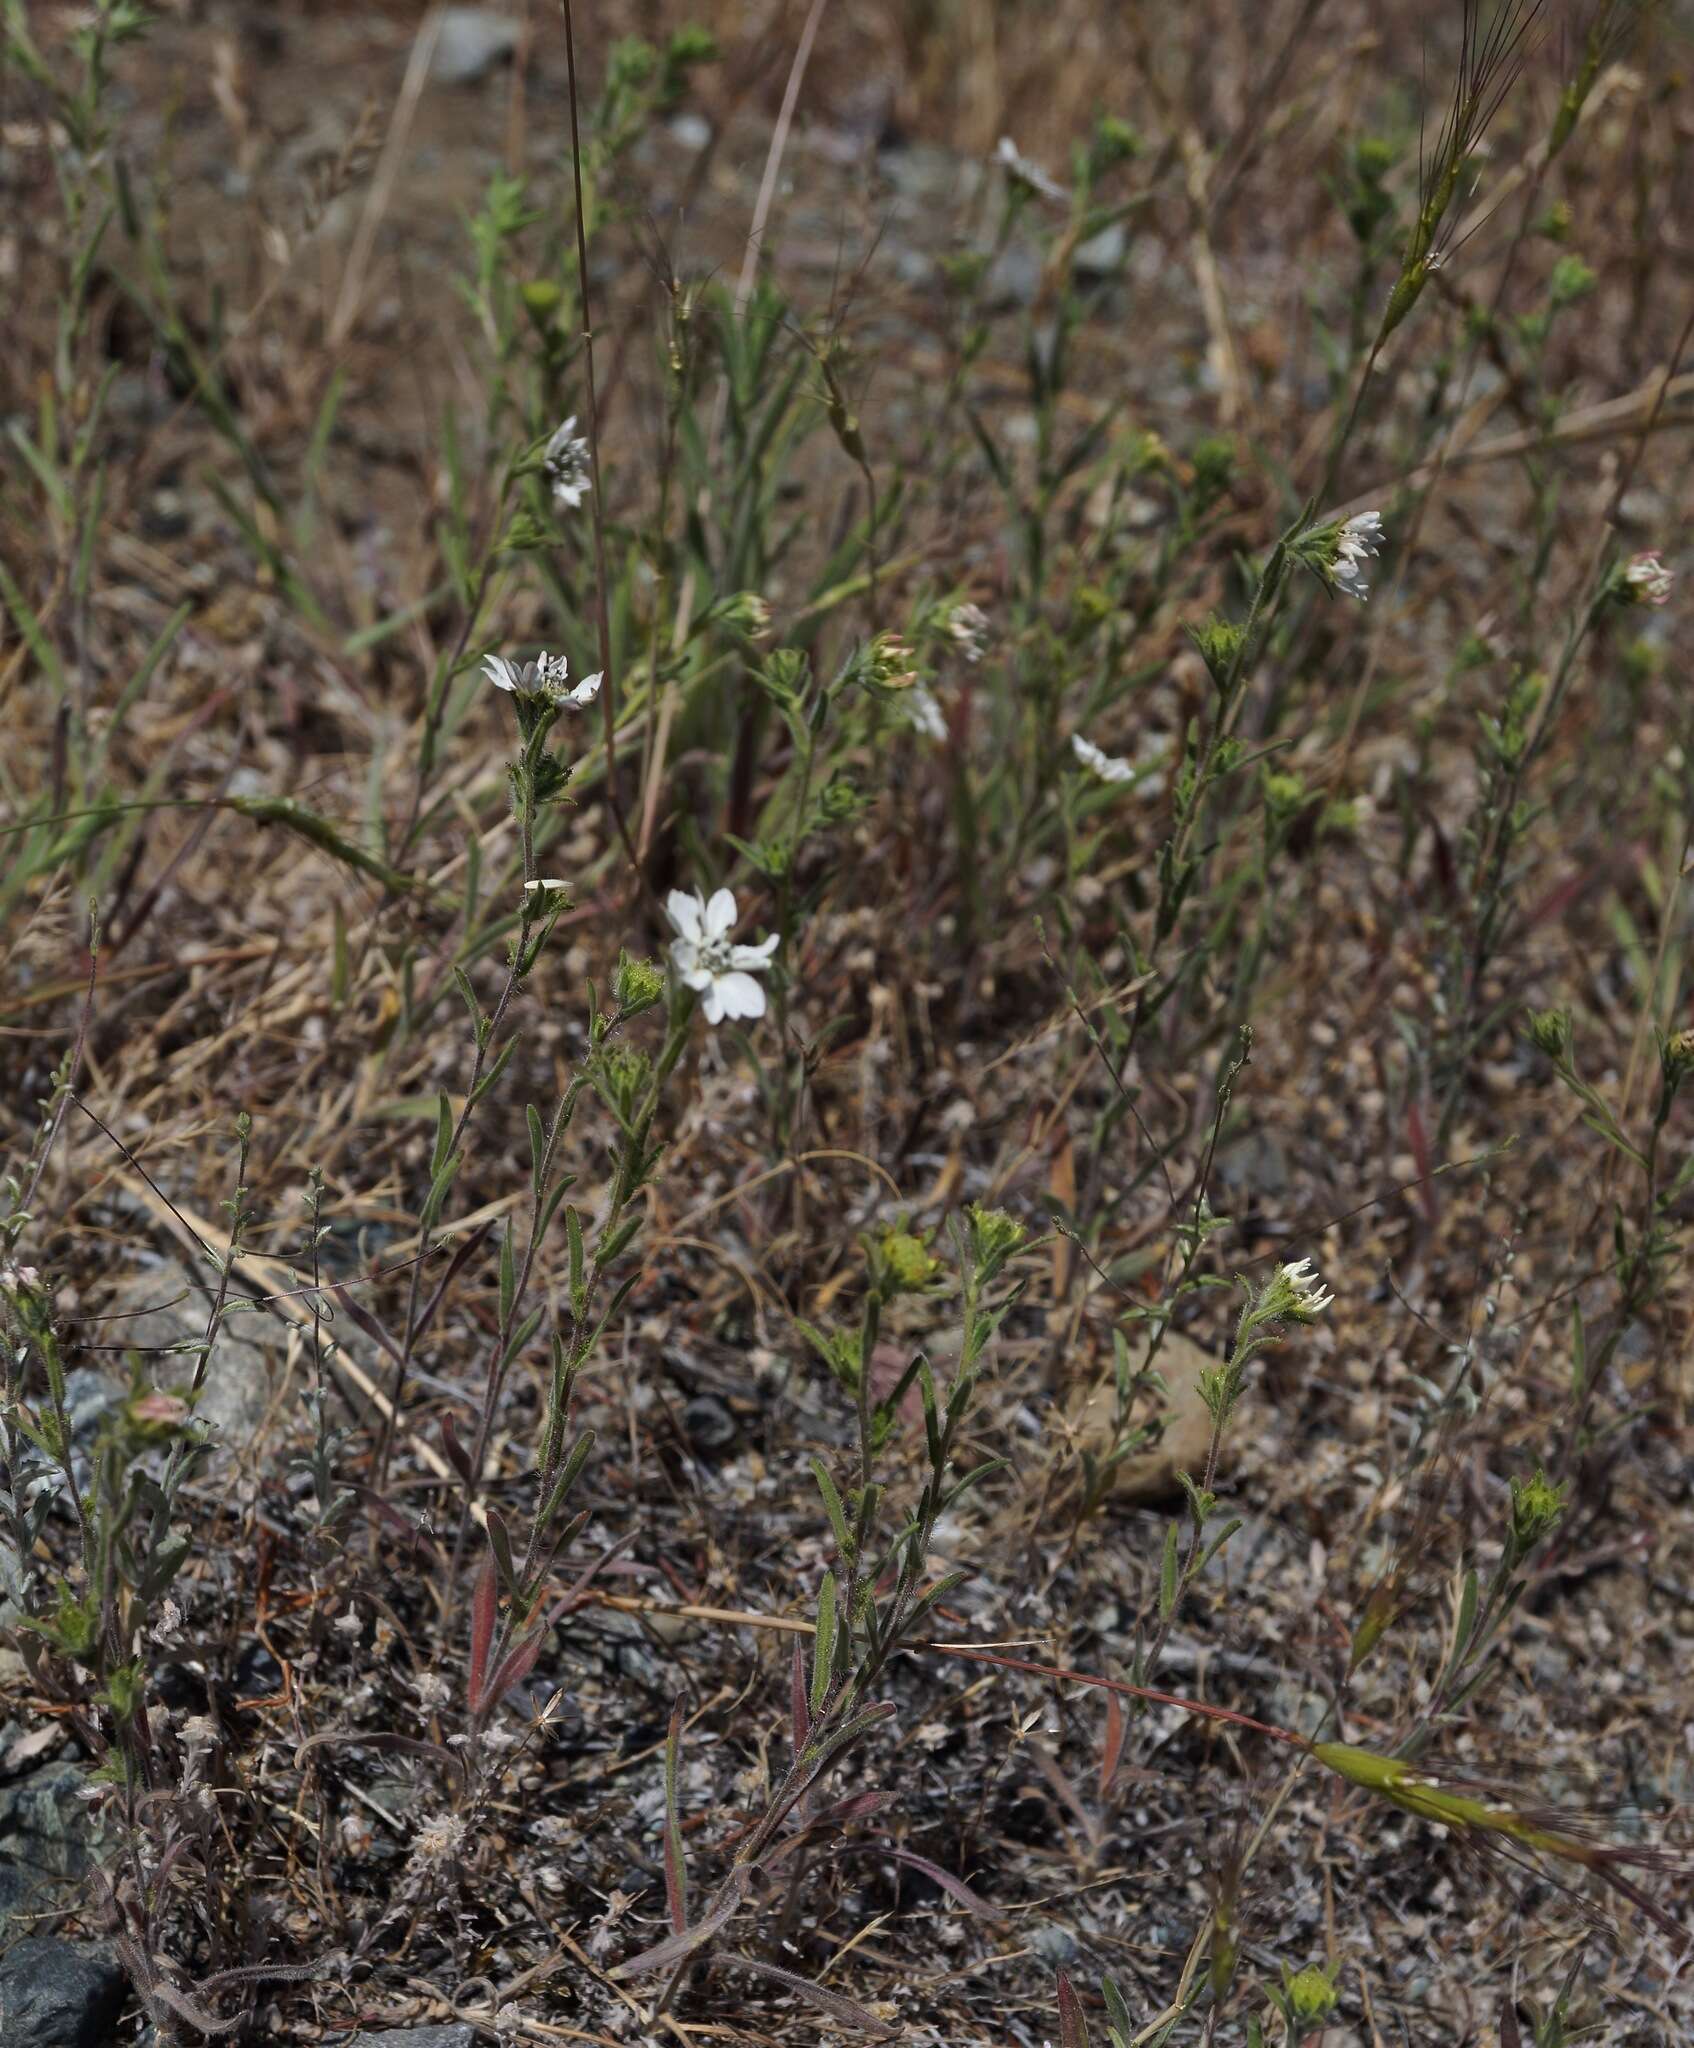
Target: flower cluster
(889, 665)
(1645, 580)
(1356, 542)
(967, 626)
(923, 712)
(706, 961)
(547, 676)
(565, 465)
(1109, 767)
(747, 613)
(1295, 1294)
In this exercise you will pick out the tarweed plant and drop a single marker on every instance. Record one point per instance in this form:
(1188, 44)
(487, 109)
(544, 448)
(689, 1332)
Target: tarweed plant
(707, 915)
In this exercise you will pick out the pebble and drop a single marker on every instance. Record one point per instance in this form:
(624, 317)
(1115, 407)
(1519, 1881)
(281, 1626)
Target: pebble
(472, 40)
(60, 1994)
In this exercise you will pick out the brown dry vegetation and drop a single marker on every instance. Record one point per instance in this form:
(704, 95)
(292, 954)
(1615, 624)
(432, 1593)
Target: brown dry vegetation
(316, 217)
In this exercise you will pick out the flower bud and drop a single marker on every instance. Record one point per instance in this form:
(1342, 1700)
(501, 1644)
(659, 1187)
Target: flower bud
(1550, 1031)
(1537, 1505)
(1311, 1996)
(636, 984)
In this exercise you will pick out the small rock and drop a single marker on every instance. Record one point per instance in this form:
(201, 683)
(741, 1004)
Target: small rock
(47, 1841)
(165, 1324)
(1151, 1474)
(709, 1424)
(456, 2036)
(471, 42)
(1102, 254)
(1015, 278)
(1254, 1164)
(1054, 1944)
(61, 1994)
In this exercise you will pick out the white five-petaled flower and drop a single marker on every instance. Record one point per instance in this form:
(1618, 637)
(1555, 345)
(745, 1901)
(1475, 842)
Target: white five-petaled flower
(1647, 579)
(720, 973)
(566, 465)
(1023, 171)
(923, 713)
(1109, 767)
(1357, 542)
(968, 625)
(1306, 1291)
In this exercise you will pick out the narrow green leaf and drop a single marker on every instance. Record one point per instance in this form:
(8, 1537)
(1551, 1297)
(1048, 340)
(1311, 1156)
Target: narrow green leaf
(508, 1276)
(1167, 1574)
(579, 1283)
(568, 1476)
(489, 1080)
(500, 1542)
(676, 1871)
(823, 1646)
(833, 1508)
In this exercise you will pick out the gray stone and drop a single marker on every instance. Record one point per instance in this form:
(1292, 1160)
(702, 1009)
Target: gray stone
(165, 1324)
(1254, 1164)
(59, 1994)
(1054, 1944)
(48, 1839)
(1102, 254)
(471, 42)
(1016, 276)
(456, 2036)
(710, 1425)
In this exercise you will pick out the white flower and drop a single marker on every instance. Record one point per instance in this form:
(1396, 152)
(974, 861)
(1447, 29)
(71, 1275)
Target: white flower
(1109, 767)
(1647, 579)
(1305, 1291)
(706, 961)
(350, 1623)
(1357, 542)
(432, 1690)
(439, 1839)
(546, 882)
(503, 674)
(566, 465)
(923, 713)
(1022, 171)
(968, 625)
